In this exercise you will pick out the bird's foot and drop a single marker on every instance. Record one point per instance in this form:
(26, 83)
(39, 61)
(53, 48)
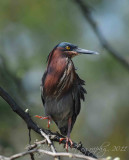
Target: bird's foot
(48, 118)
(68, 140)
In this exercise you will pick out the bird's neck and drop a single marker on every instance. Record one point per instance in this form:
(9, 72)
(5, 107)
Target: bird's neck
(57, 65)
(60, 75)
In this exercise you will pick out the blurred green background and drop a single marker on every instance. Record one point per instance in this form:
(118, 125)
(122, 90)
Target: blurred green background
(28, 32)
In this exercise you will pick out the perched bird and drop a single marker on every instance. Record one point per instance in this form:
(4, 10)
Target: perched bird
(62, 88)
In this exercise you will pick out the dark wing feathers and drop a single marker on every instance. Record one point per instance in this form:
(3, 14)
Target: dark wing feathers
(80, 91)
(78, 94)
(43, 79)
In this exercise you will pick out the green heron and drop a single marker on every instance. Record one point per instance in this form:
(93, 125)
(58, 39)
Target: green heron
(62, 89)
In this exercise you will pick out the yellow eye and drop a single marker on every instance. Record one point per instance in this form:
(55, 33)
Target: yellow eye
(67, 47)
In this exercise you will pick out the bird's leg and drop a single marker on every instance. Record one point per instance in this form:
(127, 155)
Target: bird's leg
(48, 118)
(68, 139)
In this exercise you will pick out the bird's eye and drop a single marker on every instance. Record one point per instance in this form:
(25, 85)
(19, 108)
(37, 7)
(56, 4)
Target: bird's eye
(67, 47)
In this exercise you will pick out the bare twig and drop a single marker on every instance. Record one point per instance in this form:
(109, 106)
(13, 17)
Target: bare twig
(31, 125)
(36, 144)
(31, 154)
(62, 154)
(87, 14)
(49, 143)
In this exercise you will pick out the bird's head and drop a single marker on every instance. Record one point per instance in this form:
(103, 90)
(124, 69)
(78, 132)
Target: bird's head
(67, 50)
(71, 50)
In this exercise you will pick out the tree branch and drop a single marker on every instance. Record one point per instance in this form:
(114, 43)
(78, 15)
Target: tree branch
(62, 154)
(87, 14)
(35, 148)
(31, 125)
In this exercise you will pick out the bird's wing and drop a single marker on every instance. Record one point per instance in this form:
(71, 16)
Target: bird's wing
(78, 94)
(42, 87)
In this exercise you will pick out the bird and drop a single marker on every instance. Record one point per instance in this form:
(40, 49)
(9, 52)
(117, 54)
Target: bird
(62, 89)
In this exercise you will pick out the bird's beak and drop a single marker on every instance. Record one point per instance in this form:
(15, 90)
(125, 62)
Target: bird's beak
(84, 51)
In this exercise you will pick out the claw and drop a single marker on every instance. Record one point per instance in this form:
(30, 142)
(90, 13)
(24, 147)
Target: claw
(49, 119)
(67, 141)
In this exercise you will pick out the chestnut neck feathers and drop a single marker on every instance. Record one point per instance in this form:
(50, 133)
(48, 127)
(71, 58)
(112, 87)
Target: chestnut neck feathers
(59, 75)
